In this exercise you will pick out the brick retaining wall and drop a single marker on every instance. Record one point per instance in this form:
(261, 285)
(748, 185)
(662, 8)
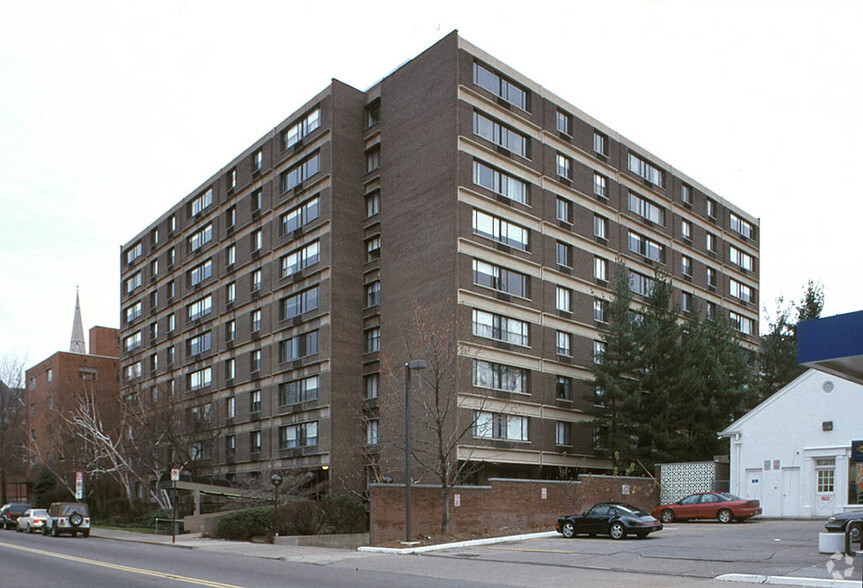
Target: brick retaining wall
(504, 507)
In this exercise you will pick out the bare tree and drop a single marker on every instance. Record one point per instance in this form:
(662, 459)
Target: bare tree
(11, 416)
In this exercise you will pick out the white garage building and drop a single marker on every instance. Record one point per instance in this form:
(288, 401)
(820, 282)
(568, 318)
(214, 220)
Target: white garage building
(793, 451)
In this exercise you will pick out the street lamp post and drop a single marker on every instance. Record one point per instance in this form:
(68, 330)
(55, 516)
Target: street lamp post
(417, 364)
(276, 481)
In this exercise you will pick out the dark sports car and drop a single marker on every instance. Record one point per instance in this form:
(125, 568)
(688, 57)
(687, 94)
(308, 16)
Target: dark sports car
(852, 519)
(617, 519)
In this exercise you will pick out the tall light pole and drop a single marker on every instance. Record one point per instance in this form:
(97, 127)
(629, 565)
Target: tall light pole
(417, 364)
(276, 481)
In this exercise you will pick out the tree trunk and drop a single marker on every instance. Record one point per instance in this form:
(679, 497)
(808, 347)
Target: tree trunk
(444, 495)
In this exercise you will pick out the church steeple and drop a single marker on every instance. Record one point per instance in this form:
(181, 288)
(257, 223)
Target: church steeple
(77, 345)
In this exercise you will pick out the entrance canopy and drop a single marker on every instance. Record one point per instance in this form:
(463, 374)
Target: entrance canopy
(833, 344)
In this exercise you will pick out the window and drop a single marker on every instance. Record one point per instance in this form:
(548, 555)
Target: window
(255, 442)
(255, 401)
(298, 346)
(256, 280)
(373, 248)
(489, 425)
(564, 166)
(646, 247)
(230, 370)
(564, 299)
(256, 320)
(154, 268)
(298, 391)
(301, 259)
(201, 202)
(231, 445)
(199, 344)
(302, 435)
(199, 451)
(171, 290)
(740, 226)
(710, 311)
(231, 292)
(598, 351)
(257, 161)
(562, 433)
(740, 290)
(640, 284)
(231, 330)
(710, 242)
(371, 385)
(154, 299)
(600, 227)
(499, 86)
(563, 388)
(500, 182)
(372, 432)
(497, 376)
(296, 132)
(373, 159)
(373, 203)
(686, 301)
(825, 468)
(686, 265)
(564, 254)
(646, 209)
(647, 171)
(373, 293)
(711, 277)
(200, 308)
(600, 269)
(200, 238)
(133, 312)
(256, 200)
(300, 216)
(564, 210)
(500, 230)
(231, 407)
(170, 355)
(231, 179)
(500, 135)
(373, 340)
(743, 324)
(563, 343)
(255, 361)
(300, 172)
(131, 342)
(134, 252)
(200, 379)
(564, 123)
(686, 194)
(600, 186)
(500, 328)
(600, 310)
(600, 144)
(200, 272)
(172, 256)
(741, 259)
(711, 208)
(501, 279)
(132, 372)
(297, 304)
(133, 283)
(154, 331)
(686, 229)
(373, 114)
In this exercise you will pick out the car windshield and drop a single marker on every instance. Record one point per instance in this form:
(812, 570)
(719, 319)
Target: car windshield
(726, 497)
(632, 509)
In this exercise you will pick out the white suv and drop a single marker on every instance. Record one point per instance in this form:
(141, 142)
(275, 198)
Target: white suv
(67, 517)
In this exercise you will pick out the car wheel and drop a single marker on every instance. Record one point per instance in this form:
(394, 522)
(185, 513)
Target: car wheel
(75, 519)
(667, 516)
(617, 531)
(568, 530)
(856, 531)
(725, 516)
(45, 530)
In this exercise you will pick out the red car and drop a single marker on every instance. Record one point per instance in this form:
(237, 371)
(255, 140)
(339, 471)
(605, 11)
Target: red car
(722, 506)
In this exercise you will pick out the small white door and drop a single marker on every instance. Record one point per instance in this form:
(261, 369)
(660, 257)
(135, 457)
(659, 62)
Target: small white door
(825, 486)
(790, 506)
(753, 484)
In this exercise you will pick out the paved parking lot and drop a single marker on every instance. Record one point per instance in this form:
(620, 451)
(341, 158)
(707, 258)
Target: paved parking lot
(687, 550)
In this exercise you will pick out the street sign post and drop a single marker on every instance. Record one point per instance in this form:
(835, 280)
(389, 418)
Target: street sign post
(175, 477)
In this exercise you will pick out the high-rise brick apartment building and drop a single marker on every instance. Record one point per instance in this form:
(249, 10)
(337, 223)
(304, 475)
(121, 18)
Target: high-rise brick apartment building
(267, 297)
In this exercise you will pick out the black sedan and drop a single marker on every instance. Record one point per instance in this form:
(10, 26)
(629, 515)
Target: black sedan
(853, 519)
(617, 519)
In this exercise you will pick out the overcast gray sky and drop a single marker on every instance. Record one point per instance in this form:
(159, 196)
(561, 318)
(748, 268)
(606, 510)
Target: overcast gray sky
(111, 112)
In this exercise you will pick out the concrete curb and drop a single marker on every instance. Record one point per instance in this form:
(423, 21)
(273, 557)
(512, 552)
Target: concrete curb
(788, 581)
(471, 543)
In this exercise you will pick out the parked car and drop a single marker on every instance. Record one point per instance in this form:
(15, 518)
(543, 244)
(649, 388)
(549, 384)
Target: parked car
(852, 519)
(67, 517)
(617, 519)
(722, 506)
(10, 512)
(32, 520)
